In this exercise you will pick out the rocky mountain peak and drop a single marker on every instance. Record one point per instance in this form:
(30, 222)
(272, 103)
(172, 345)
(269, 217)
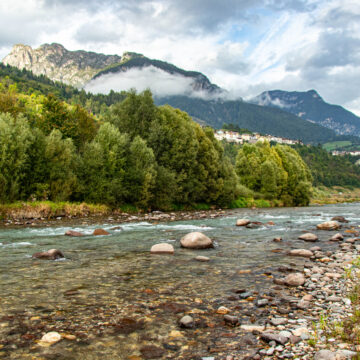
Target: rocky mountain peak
(128, 55)
(59, 64)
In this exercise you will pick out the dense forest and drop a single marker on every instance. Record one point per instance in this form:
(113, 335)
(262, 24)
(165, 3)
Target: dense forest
(330, 170)
(134, 152)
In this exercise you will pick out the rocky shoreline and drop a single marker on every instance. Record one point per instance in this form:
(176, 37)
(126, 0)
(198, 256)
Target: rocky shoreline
(118, 218)
(299, 315)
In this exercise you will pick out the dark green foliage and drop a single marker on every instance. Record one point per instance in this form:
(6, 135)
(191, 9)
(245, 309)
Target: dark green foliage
(275, 172)
(141, 155)
(329, 170)
(15, 141)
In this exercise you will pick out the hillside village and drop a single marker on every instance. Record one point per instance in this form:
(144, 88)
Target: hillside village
(252, 138)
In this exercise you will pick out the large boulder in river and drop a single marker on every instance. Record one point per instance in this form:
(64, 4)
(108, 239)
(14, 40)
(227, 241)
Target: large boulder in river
(98, 232)
(329, 225)
(51, 254)
(295, 279)
(163, 248)
(242, 222)
(301, 252)
(196, 240)
(308, 237)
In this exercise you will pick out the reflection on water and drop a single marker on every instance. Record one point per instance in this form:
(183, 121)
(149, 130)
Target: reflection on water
(117, 299)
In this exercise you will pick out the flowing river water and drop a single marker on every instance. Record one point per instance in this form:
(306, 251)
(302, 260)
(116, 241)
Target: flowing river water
(117, 301)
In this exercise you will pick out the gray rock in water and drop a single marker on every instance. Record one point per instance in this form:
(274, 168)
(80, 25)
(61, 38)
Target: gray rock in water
(278, 321)
(242, 222)
(270, 336)
(295, 279)
(52, 254)
(245, 295)
(163, 248)
(329, 225)
(301, 252)
(186, 322)
(231, 320)
(202, 259)
(73, 233)
(339, 219)
(196, 240)
(262, 302)
(325, 355)
(337, 237)
(308, 237)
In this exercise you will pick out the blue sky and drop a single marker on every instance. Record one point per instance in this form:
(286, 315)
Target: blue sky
(245, 46)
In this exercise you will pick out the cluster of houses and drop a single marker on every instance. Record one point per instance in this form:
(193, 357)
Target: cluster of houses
(342, 153)
(235, 137)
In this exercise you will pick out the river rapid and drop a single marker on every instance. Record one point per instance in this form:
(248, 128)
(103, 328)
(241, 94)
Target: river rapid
(111, 299)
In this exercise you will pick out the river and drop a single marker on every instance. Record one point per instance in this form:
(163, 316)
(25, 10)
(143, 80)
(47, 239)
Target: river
(116, 301)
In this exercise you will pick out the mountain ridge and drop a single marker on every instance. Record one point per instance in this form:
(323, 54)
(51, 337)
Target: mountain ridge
(59, 64)
(310, 106)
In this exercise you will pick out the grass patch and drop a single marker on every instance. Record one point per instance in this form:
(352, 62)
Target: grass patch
(329, 146)
(49, 209)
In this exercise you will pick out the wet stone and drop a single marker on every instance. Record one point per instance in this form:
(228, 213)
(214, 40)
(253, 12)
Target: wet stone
(186, 322)
(231, 320)
(152, 352)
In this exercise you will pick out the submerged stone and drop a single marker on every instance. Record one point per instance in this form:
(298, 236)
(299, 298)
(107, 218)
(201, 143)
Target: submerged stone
(52, 254)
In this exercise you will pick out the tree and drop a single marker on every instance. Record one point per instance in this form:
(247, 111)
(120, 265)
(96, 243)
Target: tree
(60, 160)
(104, 166)
(140, 173)
(15, 141)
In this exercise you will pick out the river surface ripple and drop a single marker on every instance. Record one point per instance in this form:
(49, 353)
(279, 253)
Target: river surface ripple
(118, 300)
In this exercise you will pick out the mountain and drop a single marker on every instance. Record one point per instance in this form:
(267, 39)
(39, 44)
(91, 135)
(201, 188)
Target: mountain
(209, 106)
(58, 64)
(310, 106)
(267, 120)
(77, 68)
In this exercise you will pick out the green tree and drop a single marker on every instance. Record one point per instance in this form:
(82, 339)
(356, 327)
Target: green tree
(61, 162)
(104, 166)
(140, 173)
(15, 141)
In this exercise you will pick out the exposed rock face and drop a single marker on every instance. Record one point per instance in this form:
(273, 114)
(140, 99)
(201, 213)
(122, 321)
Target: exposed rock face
(308, 237)
(77, 68)
(53, 60)
(196, 240)
(163, 248)
(329, 225)
(51, 254)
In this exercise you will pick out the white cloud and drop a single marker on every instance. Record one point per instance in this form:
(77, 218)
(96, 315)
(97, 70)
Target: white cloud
(160, 82)
(245, 46)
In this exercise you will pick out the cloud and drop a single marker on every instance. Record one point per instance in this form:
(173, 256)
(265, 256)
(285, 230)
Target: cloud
(245, 46)
(265, 100)
(160, 82)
